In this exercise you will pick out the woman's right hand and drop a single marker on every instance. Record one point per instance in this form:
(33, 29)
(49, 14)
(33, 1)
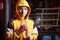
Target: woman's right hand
(23, 28)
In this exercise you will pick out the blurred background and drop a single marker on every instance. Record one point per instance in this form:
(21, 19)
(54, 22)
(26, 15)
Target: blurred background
(47, 10)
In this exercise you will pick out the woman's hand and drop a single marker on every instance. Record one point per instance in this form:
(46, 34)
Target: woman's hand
(24, 27)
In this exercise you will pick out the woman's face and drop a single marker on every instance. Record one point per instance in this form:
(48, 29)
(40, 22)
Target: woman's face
(23, 11)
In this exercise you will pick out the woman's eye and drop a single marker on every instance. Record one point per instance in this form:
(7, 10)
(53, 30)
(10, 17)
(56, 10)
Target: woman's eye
(25, 8)
(20, 10)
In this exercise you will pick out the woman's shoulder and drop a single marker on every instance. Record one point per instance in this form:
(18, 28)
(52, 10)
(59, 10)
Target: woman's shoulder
(30, 20)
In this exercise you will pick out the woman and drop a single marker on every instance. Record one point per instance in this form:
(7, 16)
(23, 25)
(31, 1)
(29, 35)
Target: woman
(23, 26)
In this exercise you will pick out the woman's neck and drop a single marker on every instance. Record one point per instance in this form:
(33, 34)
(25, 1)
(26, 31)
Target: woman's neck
(22, 18)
